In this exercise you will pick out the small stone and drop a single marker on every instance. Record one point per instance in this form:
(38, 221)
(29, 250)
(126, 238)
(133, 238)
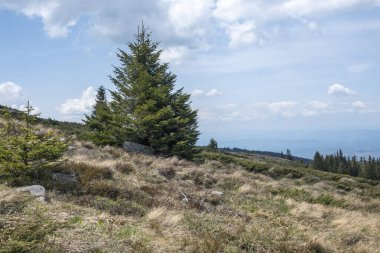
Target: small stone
(37, 191)
(217, 193)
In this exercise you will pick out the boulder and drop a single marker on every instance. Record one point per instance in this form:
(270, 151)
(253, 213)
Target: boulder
(137, 148)
(37, 191)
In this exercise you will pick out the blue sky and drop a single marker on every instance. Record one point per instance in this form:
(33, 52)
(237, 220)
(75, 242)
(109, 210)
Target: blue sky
(263, 74)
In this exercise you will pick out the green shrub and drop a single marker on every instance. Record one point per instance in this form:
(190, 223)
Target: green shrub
(329, 200)
(27, 235)
(14, 205)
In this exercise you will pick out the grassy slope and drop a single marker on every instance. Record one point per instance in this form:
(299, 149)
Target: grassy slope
(133, 203)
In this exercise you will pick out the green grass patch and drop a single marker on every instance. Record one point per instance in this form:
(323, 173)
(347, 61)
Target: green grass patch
(302, 195)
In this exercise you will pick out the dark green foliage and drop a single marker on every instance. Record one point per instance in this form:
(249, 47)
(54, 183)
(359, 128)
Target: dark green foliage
(318, 163)
(289, 155)
(147, 110)
(25, 149)
(338, 163)
(227, 158)
(302, 195)
(25, 232)
(213, 145)
(100, 120)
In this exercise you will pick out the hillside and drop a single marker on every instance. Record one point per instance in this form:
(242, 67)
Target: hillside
(69, 128)
(265, 153)
(220, 202)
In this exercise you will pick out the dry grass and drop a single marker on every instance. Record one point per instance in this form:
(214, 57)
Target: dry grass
(134, 203)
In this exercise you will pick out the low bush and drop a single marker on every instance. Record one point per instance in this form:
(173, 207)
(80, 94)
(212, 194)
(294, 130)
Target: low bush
(86, 172)
(167, 172)
(329, 200)
(14, 205)
(27, 234)
(119, 206)
(126, 167)
(102, 188)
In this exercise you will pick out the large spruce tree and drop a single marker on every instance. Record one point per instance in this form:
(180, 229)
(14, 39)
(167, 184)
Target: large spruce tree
(100, 120)
(147, 108)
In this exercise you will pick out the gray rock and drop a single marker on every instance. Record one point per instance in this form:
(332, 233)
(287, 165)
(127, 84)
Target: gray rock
(137, 148)
(64, 177)
(217, 193)
(37, 191)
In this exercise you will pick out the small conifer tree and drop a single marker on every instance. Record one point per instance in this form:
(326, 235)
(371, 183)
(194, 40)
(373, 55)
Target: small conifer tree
(24, 148)
(100, 120)
(213, 145)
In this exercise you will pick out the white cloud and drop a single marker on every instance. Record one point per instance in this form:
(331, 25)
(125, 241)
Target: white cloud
(234, 10)
(56, 17)
(281, 109)
(213, 93)
(9, 92)
(80, 105)
(319, 105)
(174, 54)
(315, 108)
(339, 90)
(35, 110)
(177, 22)
(241, 33)
(197, 93)
(359, 105)
(188, 17)
(310, 7)
(312, 26)
(210, 93)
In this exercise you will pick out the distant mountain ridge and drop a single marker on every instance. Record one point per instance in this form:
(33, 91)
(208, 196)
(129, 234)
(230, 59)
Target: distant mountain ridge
(305, 161)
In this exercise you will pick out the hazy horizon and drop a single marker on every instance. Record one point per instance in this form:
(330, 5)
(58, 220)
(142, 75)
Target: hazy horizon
(305, 144)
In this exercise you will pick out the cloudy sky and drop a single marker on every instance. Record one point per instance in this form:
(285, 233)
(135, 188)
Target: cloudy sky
(257, 69)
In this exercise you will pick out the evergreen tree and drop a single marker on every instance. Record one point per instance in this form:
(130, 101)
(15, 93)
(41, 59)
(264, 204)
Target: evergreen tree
(147, 109)
(24, 149)
(318, 162)
(100, 121)
(289, 155)
(213, 145)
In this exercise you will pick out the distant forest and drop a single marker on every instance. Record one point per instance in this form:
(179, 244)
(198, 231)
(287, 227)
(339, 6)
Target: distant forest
(354, 166)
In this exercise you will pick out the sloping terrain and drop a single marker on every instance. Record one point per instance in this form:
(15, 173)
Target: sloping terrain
(221, 202)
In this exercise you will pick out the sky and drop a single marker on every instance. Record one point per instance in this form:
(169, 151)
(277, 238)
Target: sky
(263, 74)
